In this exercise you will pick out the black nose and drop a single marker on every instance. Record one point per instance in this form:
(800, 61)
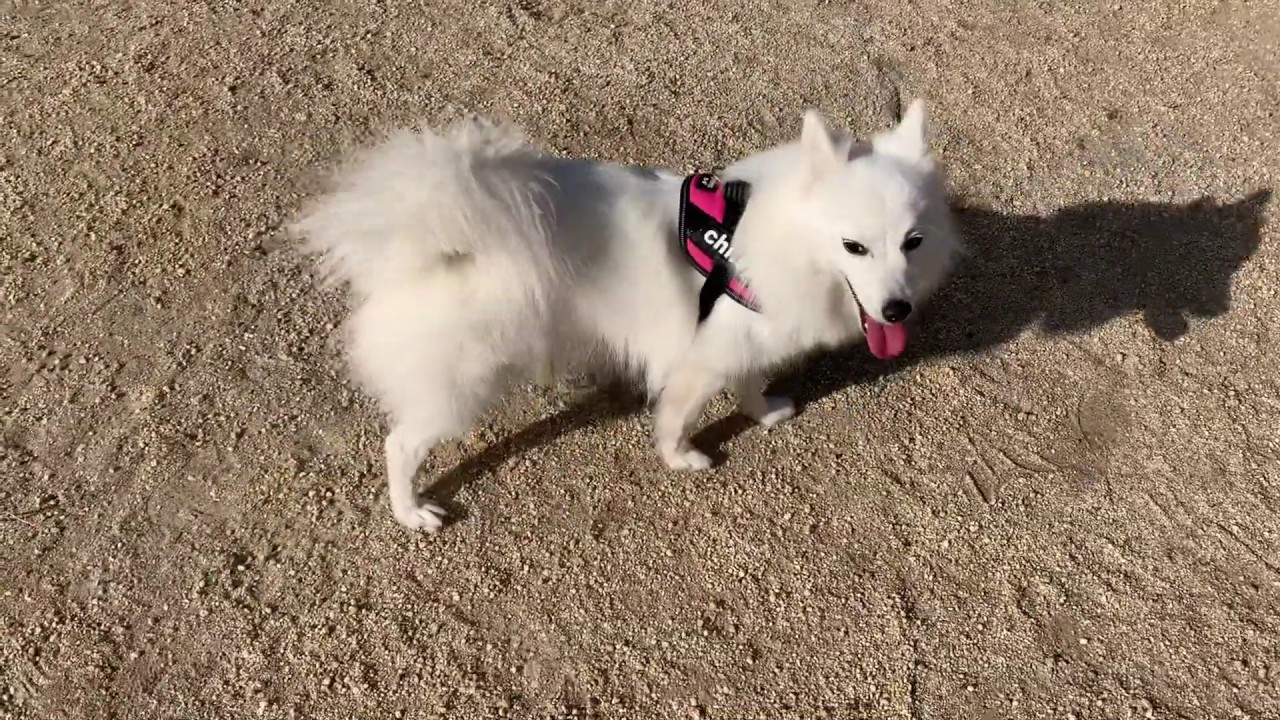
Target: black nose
(895, 311)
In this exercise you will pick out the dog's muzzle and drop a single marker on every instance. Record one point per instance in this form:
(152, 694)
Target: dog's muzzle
(885, 340)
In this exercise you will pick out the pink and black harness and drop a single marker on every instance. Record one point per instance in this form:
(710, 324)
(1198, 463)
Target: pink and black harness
(709, 215)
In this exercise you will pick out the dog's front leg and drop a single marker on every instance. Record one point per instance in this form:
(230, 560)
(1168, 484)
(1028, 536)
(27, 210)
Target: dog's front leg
(764, 409)
(689, 387)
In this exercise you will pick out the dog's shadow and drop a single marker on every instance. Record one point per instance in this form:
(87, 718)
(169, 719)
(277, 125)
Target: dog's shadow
(1066, 273)
(610, 401)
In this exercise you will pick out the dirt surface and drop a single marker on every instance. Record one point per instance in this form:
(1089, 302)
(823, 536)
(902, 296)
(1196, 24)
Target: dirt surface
(1062, 503)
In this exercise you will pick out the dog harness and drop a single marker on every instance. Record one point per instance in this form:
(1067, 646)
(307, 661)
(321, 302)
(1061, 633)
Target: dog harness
(709, 214)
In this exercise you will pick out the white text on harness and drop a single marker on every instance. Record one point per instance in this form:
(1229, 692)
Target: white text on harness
(719, 241)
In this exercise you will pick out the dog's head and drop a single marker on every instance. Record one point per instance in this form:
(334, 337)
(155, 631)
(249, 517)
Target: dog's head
(878, 217)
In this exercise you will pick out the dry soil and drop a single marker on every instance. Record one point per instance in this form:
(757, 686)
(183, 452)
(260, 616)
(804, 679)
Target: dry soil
(1062, 503)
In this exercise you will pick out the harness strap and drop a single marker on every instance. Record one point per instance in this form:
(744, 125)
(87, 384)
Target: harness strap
(709, 214)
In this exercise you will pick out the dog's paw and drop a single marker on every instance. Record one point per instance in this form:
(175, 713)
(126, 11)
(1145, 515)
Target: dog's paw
(774, 411)
(685, 458)
(426, 516)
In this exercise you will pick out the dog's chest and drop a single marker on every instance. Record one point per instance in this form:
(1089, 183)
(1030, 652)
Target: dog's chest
(829, 321)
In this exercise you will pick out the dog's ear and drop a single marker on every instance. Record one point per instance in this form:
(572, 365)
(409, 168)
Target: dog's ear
(819, 149)
(909, 140)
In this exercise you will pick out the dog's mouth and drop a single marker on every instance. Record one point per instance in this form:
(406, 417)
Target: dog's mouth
(885, 340)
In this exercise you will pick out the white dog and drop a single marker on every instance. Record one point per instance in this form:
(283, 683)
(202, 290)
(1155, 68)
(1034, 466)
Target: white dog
(476, 261)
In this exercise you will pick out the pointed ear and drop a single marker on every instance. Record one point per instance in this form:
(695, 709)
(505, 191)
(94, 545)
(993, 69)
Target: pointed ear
(819, 149)
(909, 140)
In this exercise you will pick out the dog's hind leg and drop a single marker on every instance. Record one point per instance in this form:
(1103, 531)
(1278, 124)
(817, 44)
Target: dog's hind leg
(433, 373)
(447, 412)
(687, 391)
(765, 409)
(433, 410)
(407, 446)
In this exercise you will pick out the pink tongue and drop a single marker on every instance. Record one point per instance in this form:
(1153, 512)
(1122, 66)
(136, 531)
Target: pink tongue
(885, 341)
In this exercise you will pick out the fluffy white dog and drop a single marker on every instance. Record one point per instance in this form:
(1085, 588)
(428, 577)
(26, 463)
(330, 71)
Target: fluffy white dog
(476, 261)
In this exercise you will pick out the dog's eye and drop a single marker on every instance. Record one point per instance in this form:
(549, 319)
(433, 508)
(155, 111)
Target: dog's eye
(912, 241)
(855, 248)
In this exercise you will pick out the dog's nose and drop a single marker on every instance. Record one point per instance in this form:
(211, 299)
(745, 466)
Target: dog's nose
(895, 311)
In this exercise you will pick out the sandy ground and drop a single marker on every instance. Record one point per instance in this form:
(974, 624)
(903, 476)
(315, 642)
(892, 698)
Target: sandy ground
(1061, 504)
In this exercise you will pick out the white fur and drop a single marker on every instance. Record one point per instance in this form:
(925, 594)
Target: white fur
(476, 261)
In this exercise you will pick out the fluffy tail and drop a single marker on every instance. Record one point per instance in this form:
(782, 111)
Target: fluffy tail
(419, 202)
